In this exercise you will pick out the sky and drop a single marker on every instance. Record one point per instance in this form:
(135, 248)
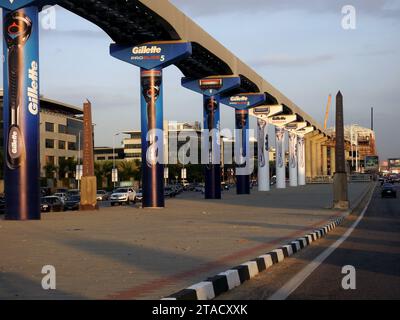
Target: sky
(298, 46)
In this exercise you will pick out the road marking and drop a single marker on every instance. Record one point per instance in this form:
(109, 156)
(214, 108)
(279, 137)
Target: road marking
(284, 292)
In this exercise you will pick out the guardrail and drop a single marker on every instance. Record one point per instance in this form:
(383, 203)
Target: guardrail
(350, 178)
(320, 180)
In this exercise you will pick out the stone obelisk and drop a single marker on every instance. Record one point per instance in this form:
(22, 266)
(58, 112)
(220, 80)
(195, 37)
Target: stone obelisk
(89, 181)
(340, 187)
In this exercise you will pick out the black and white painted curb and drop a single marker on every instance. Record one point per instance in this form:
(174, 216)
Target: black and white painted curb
(232, 278)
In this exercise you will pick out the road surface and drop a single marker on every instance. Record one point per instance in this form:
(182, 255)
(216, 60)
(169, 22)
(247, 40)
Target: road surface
(373, 249)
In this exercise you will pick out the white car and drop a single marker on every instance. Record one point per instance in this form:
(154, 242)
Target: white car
(123, 195)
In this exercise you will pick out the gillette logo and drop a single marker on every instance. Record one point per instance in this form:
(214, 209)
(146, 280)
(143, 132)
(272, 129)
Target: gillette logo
(146, 50)
(33, 89)
(239, 99)
(14, 142)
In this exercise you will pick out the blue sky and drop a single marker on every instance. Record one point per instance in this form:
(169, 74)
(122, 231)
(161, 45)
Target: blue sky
(298, 46)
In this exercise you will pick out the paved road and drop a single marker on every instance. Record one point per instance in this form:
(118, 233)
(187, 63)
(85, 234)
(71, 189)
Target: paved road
(126, 252)
(373, 249)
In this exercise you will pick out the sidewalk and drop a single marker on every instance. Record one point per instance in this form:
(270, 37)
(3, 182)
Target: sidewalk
(128, 253)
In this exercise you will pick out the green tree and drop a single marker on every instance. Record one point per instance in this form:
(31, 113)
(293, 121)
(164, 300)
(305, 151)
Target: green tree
(50, 170)
(127, 170)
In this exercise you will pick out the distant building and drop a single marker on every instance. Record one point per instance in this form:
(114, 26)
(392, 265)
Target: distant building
(363, 143)
(108, 154)
(61, 128)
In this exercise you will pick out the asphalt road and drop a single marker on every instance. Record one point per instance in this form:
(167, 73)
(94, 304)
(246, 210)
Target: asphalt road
(373, 249)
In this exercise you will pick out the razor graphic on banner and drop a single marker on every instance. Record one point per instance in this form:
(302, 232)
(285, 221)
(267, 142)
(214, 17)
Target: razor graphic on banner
(301, 155)
(21, 113)
(265, 112)
(280, 140)
(295, 126)
(263, 143)
(292, 150)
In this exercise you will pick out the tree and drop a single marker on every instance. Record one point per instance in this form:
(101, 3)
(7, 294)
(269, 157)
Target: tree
(127, 170)
(50, 170)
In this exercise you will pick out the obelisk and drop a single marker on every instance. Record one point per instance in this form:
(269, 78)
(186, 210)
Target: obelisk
(89, 181)
(340, 187)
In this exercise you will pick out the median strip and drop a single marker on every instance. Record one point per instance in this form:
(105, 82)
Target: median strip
(232, 278)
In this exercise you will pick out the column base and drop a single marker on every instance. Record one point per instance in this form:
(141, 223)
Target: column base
(340, 191)
(88, 194)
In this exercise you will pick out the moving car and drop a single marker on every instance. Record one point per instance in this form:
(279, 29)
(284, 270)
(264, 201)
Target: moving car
(102, 195)
(388, 191)
(51, 204)
(73, 202)
(123, 195)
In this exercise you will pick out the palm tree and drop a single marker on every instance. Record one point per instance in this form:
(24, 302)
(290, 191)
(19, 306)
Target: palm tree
(127, 170)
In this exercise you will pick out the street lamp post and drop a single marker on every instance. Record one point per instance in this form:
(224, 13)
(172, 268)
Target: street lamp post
(114, 161)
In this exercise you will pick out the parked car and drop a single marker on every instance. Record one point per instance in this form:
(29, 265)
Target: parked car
(123, 195)
(73, 202)
(388, 191)
(73, 192)
(2, 205)
(169, 192)
(139, 195)
(51, 204)
(102, 195)
(62, 196)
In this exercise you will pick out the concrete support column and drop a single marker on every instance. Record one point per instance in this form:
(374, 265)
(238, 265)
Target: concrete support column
(308, 157)
(324, 160)
(301, 161)
(263, 156)
(293, 159)
(280, 158)
(319, 158)
(314, 160)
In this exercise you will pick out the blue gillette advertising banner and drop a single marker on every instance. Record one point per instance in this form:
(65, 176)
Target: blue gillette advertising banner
(152, 55)
(152, 58)
(242, 150)
(211, 88)
(21, 113)
(13, 5)
(212, 146)
(152, 138)
(244, 101)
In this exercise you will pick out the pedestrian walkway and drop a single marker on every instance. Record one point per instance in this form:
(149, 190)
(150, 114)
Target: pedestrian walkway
(131, 253)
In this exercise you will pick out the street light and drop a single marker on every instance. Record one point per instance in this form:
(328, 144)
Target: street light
(114, 161)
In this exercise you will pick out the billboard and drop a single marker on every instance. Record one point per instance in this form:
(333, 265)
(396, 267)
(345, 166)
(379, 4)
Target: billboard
(394, 164)
(371, 163)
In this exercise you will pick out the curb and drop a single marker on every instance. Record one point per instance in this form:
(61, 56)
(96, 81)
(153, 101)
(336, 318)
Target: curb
(232, 278)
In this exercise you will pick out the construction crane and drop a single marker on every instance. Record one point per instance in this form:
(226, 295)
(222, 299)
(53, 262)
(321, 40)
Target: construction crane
(328, 108)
